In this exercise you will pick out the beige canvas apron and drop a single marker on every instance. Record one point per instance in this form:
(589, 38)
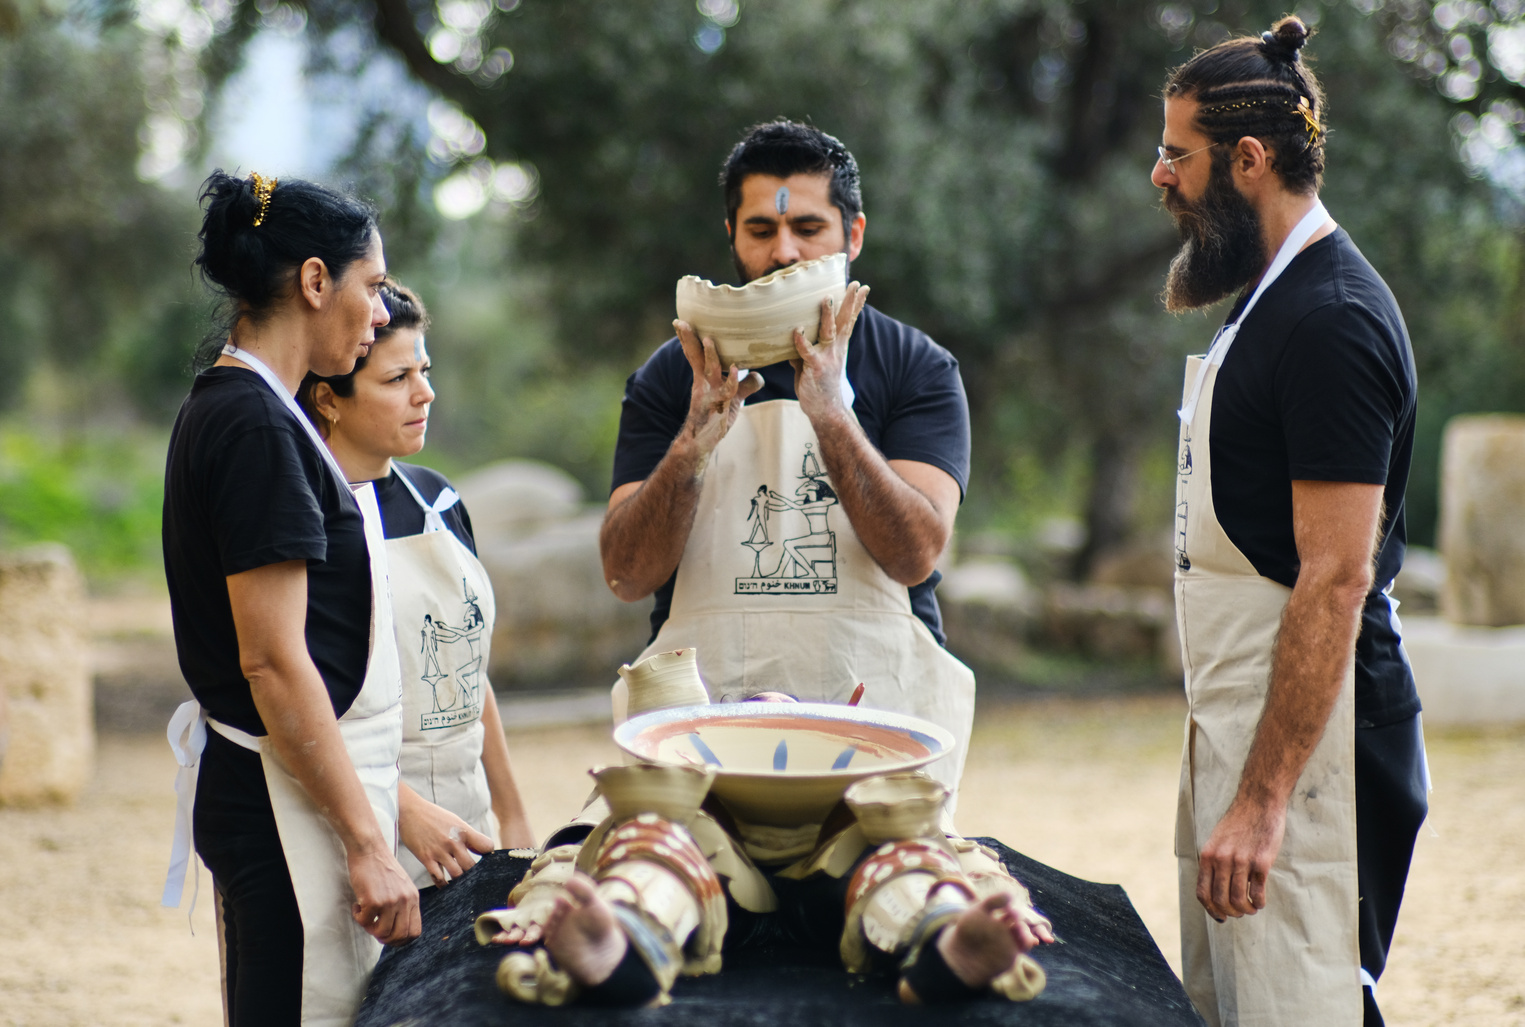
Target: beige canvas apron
(337, 954)
(1297, 961)
(778, 594)
(444, 612)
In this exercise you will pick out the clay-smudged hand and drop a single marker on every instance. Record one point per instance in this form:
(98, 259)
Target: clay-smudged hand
(1234, 864)
(717, 395)
(819, 369)
(386, 903)
(444, 843)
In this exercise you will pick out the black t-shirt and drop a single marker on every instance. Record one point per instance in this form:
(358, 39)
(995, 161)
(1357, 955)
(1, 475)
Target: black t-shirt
(908, 397)
(1319, 385)
(245, 487)
(401, 515)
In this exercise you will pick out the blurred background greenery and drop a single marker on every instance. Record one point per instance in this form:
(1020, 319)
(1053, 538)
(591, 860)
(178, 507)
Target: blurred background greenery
(547, 169)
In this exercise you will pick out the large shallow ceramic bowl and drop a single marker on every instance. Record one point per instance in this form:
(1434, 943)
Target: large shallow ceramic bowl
(783, 764)
(753, 325)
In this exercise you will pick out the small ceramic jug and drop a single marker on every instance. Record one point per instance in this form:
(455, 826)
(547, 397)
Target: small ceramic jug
(664, 681)
(674, 793)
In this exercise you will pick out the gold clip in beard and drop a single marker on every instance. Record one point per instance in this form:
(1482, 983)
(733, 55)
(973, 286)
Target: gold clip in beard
(1309, 120)
(263, 188)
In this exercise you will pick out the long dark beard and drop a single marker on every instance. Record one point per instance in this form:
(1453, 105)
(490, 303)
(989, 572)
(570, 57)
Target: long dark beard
(1222, 245)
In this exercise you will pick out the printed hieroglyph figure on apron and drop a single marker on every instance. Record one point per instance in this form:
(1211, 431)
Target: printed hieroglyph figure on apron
(452, 666)
(778, 594)
(807, 561)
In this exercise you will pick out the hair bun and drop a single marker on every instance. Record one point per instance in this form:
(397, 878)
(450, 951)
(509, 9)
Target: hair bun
(1287, 37)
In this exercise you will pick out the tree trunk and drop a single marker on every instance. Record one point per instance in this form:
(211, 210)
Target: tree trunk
(1109, 507)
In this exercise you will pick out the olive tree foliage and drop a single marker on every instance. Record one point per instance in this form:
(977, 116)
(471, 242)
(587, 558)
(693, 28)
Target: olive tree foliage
(1006, 147)
(93, 261)
(1473, 356)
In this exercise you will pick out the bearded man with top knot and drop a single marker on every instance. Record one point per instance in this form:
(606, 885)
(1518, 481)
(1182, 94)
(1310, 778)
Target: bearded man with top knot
(1303, 782)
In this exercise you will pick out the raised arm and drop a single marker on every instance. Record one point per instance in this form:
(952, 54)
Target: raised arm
(647, 524)
(270, 614)
(1335, 526)
(902, 510)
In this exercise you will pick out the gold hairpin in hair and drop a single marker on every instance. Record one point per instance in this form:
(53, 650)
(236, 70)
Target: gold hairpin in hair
(1308, 119)
(263, 188)
(1301, 107)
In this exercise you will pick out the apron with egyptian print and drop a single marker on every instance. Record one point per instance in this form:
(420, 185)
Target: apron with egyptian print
(1297, 961)
(444, 612)
(778, 594)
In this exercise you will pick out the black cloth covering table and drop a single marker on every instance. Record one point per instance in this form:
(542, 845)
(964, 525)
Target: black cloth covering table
(1107, 972)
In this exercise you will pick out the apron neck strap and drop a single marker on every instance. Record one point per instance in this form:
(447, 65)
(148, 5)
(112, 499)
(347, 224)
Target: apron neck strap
(432, 511)
(1303, 231)
(1311, 222)
(279, 388)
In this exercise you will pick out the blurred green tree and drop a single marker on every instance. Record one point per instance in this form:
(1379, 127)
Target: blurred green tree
(93, 261)
(1005, 147)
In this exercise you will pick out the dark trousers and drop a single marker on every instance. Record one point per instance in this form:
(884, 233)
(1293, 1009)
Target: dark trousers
(1390, 807)
(262, 929)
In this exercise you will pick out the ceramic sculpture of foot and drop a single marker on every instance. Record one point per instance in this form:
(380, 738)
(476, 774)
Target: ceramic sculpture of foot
(984, 941)
(981, 949)
(582, 934)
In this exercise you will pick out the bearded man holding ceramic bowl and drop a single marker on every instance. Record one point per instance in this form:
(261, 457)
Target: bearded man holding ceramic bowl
(789, 466)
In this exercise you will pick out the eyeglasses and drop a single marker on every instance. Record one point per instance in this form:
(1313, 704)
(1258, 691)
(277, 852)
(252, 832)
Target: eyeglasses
(1170, 162)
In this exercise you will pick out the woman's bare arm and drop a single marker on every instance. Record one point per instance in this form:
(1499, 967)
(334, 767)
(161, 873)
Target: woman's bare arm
(270, 614)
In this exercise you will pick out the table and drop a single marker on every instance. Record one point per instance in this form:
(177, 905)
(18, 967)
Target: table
(1106, 972)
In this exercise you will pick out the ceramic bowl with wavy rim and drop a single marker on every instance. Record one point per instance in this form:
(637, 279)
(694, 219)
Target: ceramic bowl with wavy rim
(753, 325)
(784, 764)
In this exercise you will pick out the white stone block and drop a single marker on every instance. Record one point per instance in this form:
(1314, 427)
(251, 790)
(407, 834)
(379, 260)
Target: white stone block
(45, 674)
(1467, 675)
(1482, 520)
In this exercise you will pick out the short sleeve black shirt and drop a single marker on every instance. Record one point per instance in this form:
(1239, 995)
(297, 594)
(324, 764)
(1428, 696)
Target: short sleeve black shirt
(401, 515)
(908, 397)
(245, 487)
(1319, 385)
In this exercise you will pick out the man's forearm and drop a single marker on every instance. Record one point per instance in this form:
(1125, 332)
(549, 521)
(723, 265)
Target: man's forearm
(299, 717)
(1313, 653)
(899, 526)
(643, 537)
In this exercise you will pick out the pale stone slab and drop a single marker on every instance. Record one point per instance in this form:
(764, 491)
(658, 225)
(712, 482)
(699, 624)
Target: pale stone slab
(1482, 520)
(1467, 675)
(45, 675)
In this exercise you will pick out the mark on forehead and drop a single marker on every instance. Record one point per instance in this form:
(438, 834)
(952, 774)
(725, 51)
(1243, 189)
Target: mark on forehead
(418, 348)
(781, 199)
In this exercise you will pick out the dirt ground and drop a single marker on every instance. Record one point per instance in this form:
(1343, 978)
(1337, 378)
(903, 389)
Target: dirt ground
(1085, 786)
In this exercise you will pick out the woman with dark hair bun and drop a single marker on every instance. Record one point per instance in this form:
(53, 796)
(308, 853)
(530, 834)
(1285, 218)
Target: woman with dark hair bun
(456, 774)
(277, 582)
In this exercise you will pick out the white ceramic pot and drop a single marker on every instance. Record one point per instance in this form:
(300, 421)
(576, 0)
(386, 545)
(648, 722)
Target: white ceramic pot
(753, 325)
(664, 680)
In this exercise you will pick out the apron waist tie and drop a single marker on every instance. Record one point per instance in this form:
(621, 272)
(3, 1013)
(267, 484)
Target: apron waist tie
(187, 735)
